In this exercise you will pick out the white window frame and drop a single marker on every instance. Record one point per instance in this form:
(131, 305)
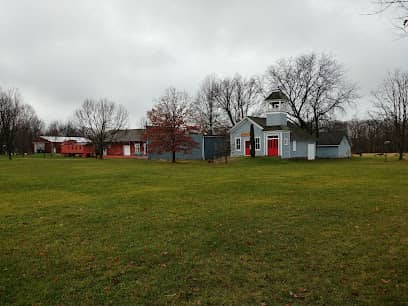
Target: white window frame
(294, 145)
(137, 147)
(240, 144)
(257, 143)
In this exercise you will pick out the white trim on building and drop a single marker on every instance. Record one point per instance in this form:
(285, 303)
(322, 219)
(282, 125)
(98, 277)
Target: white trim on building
(257, 143)
(236, 144)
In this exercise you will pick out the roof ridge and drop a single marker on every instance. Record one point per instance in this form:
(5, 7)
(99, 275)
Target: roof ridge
(256, 117)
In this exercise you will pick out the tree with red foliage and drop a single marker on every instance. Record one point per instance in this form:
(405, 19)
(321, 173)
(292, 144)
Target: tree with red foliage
(169, 129)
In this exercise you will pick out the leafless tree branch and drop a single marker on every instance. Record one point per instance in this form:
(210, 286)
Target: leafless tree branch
(100, 120)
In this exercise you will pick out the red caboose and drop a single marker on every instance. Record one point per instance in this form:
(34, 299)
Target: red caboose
(74, 148)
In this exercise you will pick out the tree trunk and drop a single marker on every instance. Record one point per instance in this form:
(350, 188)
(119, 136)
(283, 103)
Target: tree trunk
(101, 143)
(401, 147)
(230, 117)
(9, 147)
(252, 140)
(226, 151)
(316, 127)
(173, 160)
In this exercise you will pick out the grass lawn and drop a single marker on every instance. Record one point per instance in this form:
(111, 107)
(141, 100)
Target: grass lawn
(126, 232)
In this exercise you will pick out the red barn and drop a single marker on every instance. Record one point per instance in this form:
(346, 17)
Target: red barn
(127, 143)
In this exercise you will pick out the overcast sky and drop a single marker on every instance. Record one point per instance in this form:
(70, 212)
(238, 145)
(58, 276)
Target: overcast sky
(60, 52)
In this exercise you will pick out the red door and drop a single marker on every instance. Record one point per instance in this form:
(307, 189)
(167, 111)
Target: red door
(247, 148)
(273, 147)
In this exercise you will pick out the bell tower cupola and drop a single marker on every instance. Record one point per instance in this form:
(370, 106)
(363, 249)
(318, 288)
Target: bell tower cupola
(277, 109)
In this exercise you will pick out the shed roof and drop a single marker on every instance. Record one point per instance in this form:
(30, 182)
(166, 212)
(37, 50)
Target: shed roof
(128, 135)
(331, 138)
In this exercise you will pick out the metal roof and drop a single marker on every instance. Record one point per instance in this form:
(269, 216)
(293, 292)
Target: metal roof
(61, 139)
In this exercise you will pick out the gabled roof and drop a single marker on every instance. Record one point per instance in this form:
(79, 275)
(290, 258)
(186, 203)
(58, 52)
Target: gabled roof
(61, 139)
(128, 135)
(331, 138)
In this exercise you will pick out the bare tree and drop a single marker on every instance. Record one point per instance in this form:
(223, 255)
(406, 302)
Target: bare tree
(28, 128)
(53, 128)
(401, 8)
(237, 97)
(392, 101)
(357, 135)
(315, 86)
(10, 110)
(246, 96)
(205, 110)
(100, 120)
(143, 122)
(330, 91)
(225, 91)
(59, 128)
(69, 128)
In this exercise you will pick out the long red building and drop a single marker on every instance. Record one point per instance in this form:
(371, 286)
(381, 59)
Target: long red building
(127, 143)
(52, 144)
(124, 144)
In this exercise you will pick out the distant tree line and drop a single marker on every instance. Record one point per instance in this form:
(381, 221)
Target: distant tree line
(316, 87)
(372, 136)
(19, 124)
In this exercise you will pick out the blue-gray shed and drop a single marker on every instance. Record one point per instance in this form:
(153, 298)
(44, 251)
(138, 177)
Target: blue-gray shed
(333, 145)
(208, 148)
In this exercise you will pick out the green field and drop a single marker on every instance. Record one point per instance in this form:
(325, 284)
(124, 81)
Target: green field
(126, 232)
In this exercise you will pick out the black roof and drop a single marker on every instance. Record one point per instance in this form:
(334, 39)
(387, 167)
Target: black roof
(276, 95)
(297, 131)
(128, 135)
(332, 138)
(258, 120)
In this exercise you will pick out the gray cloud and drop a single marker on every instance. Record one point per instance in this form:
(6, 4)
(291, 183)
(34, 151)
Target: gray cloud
(59, 53)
